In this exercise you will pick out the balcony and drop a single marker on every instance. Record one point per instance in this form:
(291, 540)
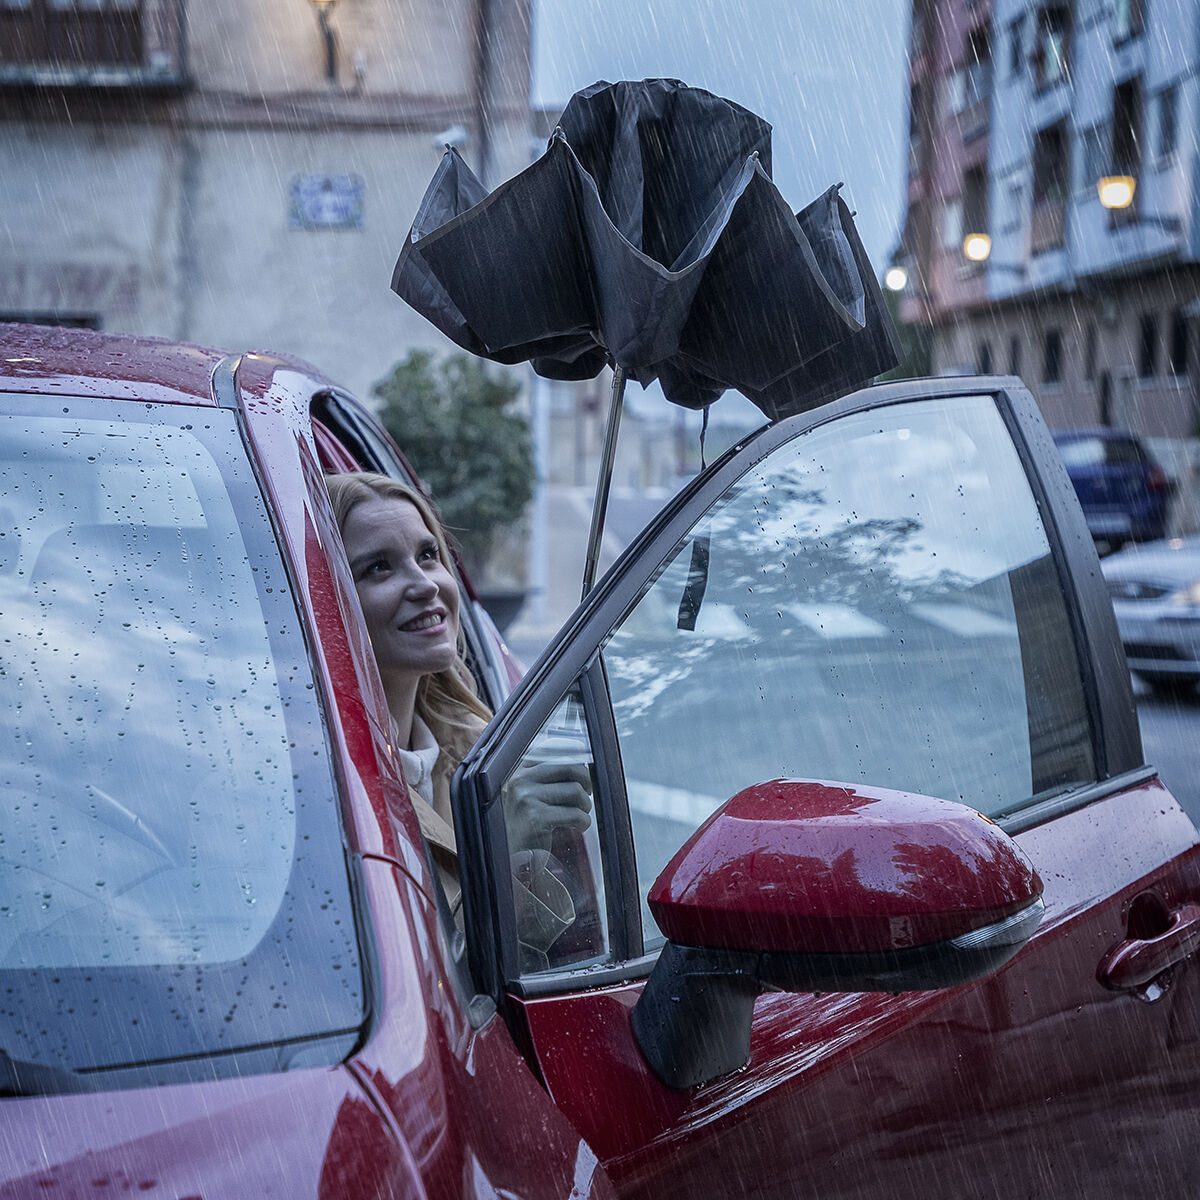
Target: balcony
(109, 44)
(1048, 227)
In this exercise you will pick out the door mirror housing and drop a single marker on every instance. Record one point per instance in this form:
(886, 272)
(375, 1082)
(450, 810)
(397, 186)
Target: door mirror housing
(810, 886)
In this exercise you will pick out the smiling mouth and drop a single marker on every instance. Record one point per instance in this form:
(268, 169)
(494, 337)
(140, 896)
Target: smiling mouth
(424, 621)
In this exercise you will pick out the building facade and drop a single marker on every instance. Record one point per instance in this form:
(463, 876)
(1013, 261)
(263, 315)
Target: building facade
(1019, 109)
(242, 173)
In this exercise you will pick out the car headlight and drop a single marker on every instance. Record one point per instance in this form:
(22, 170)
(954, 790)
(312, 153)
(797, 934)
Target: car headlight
(1189, 596)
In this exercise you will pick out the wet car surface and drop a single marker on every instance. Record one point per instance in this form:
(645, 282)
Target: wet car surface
(1124, 493)
(878, 894)
(1155, 591)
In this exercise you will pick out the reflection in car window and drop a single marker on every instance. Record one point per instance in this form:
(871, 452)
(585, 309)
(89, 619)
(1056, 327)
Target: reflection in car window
(157, 750)
(558, 889)
(879, 605)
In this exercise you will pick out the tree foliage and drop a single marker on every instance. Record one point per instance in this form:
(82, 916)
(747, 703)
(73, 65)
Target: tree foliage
(455, 422)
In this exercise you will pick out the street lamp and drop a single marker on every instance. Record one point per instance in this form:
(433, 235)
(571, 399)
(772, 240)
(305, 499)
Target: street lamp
(324, 8)
(1116, 193)
(977, 248)
(895, 279)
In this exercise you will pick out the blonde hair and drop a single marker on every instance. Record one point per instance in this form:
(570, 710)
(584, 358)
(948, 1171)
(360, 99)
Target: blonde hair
(444, 699)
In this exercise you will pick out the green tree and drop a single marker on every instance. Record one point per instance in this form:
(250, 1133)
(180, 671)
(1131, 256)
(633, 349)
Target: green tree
(916, 344)
(455, 422)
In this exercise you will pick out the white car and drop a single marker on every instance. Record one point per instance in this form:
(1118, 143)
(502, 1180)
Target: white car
(1155, 590)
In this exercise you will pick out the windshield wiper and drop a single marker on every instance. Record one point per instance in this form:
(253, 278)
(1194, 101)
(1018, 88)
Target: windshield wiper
(20, 1077)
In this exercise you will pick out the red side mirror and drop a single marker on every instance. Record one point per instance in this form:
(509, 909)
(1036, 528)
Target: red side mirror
(803, 865)
(803, 885)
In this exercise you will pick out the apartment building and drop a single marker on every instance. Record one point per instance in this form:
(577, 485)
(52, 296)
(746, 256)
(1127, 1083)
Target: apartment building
(1053, 222)
(243, 172)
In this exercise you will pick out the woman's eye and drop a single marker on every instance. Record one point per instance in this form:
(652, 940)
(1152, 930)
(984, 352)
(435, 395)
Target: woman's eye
(428, 553)
(375, 567)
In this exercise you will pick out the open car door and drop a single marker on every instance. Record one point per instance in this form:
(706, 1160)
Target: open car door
(877, 895)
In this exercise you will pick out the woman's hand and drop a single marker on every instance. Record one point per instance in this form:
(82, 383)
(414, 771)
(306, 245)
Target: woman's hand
(542, 797)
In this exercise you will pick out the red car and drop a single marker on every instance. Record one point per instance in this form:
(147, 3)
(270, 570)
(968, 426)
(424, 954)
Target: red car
(879, 897)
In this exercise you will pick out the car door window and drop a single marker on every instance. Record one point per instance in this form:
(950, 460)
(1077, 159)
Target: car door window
(557, 880)
(876, 601)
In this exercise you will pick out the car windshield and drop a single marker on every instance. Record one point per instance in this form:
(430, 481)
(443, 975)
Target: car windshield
(173, 885)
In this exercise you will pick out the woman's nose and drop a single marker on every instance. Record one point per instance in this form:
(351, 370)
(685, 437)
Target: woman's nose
(419, 585)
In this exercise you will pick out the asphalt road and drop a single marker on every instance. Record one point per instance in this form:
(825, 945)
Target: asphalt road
(1171, 742)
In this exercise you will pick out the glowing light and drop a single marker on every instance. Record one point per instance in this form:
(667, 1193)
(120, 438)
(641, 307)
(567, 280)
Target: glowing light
(977, 246)
(896, 279)
(1116, 191)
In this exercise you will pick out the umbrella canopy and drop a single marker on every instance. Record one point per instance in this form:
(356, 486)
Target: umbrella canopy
(649, 236)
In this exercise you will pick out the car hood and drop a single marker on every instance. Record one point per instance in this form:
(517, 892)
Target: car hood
(307, 1133)
(1173, 562)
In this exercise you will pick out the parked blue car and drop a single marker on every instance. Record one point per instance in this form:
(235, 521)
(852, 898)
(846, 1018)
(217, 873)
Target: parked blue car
(1124, 493)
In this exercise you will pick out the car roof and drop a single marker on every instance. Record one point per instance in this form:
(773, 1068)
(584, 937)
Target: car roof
(63, 361)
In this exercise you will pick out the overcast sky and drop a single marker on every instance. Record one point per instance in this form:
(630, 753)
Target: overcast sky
(830, 76)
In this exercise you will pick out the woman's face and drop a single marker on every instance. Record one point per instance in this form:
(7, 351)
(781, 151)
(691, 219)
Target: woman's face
(408, 595)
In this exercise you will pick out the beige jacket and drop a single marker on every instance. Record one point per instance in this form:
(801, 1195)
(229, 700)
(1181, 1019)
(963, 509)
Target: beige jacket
(544, 909)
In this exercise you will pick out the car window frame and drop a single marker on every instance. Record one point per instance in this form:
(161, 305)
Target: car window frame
(574, 654)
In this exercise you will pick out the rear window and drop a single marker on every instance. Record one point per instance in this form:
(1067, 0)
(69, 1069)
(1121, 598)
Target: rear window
(172, 880)
(1099, 452)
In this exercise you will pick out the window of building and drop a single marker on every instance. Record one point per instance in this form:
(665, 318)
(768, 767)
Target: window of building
(1050, 165)
(1095, 156)
(1148, 346)
(977, 67)
(1179, 345)
(1016, 47)
(1168, 121)
(1012, 203)
(1089, 353)
(952, 225)
(1052, 356)
(916, 126)
(1126, 151)
(975, 201)
(1051, 160)
(983, 358)
(956, 91)
(1127, 19)
(64, 33)
(1050, 54)
(1127, 128)
(1014, 355)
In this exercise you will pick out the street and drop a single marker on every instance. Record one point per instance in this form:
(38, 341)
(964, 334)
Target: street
(1170, 737)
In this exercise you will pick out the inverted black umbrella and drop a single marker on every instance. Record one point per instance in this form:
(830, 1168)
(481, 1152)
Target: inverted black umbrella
(650, 237)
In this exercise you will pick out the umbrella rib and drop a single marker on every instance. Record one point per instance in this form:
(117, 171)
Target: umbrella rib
(600, 503)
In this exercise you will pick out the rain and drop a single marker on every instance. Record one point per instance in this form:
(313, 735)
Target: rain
(228, 965)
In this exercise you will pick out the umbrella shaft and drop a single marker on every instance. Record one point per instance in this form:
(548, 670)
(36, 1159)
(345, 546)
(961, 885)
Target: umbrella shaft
(600, 504)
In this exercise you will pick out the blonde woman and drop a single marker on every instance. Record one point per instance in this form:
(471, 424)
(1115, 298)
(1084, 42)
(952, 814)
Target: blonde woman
(400, 561)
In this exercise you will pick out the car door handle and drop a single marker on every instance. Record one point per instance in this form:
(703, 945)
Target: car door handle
(1136, 962)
